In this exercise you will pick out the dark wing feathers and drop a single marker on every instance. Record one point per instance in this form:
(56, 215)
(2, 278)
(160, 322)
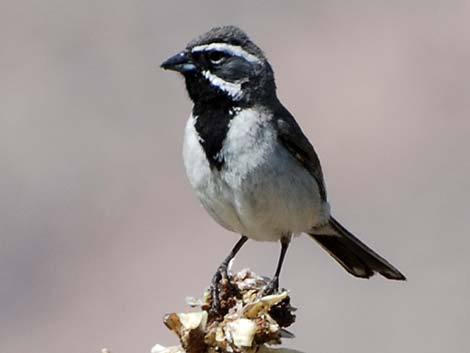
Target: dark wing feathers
(294, 140)
(356, 257)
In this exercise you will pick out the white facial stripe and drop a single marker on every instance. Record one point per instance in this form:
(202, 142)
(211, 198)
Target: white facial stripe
(227, 48)
(233, 89)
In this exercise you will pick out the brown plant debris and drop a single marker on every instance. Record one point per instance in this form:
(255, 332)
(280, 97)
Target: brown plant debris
(247, 321)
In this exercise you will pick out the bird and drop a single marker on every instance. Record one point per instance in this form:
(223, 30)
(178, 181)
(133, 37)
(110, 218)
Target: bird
(248, 161)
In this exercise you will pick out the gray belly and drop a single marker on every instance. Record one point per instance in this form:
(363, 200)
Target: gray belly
(262, 191)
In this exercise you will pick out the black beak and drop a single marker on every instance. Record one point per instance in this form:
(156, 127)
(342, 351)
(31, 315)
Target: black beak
(180, 62)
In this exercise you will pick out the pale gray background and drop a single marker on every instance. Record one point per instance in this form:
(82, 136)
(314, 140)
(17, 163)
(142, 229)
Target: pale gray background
(97, 219)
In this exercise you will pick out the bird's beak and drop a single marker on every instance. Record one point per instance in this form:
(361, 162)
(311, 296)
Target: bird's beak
(180, 62)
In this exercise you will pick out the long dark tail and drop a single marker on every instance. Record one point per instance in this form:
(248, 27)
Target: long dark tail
(356, 257)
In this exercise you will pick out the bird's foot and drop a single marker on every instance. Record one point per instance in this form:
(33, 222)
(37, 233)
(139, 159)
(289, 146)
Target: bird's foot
(220, 274)
(221, 287)
(271, 288)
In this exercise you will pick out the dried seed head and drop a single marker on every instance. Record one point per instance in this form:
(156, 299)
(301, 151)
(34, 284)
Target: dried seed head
(249, 320)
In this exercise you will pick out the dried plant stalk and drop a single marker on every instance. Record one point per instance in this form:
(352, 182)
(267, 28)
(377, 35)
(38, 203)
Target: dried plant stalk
(247, 321)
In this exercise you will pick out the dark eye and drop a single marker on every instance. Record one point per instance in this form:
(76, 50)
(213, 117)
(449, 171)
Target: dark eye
(216, 57)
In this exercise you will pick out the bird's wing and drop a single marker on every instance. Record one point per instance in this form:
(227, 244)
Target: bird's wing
(294, 140)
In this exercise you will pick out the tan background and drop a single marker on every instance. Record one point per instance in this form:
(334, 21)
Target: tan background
(101, 234)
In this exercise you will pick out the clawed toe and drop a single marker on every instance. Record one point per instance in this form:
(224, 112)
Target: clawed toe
(221, 280)
(219, 277)
(271, 288)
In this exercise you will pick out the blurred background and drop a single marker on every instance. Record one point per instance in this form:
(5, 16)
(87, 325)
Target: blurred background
(101, 235)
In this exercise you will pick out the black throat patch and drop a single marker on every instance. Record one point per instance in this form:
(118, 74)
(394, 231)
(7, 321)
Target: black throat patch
(212, 124)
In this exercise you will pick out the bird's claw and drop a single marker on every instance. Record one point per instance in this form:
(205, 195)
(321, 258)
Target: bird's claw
(221, 275)
(271, 288)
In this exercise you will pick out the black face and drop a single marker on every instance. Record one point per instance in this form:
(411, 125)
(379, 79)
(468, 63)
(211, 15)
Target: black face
(224, 65)
(224, 72)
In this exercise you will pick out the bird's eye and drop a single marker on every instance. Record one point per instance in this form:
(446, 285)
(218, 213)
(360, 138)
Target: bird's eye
(216, 57)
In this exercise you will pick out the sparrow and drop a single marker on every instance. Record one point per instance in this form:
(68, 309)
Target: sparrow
(248, 161)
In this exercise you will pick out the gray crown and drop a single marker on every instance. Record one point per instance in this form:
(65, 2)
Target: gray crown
(229, 35)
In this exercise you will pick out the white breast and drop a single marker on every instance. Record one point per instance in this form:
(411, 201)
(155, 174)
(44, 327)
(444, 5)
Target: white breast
(261, 191)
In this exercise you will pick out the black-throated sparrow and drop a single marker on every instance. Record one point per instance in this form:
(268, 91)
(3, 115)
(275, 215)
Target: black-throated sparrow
(248, 161)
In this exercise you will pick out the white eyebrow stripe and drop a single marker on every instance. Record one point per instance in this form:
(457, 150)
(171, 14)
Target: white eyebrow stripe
(228, 48)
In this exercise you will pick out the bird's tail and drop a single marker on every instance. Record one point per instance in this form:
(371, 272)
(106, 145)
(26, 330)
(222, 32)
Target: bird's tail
(356, 257)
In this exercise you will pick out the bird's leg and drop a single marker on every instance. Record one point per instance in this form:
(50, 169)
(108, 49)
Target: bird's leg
(273, 285)
(222, 274)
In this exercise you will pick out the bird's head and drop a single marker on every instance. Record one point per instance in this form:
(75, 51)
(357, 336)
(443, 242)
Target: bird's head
(224, 64)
